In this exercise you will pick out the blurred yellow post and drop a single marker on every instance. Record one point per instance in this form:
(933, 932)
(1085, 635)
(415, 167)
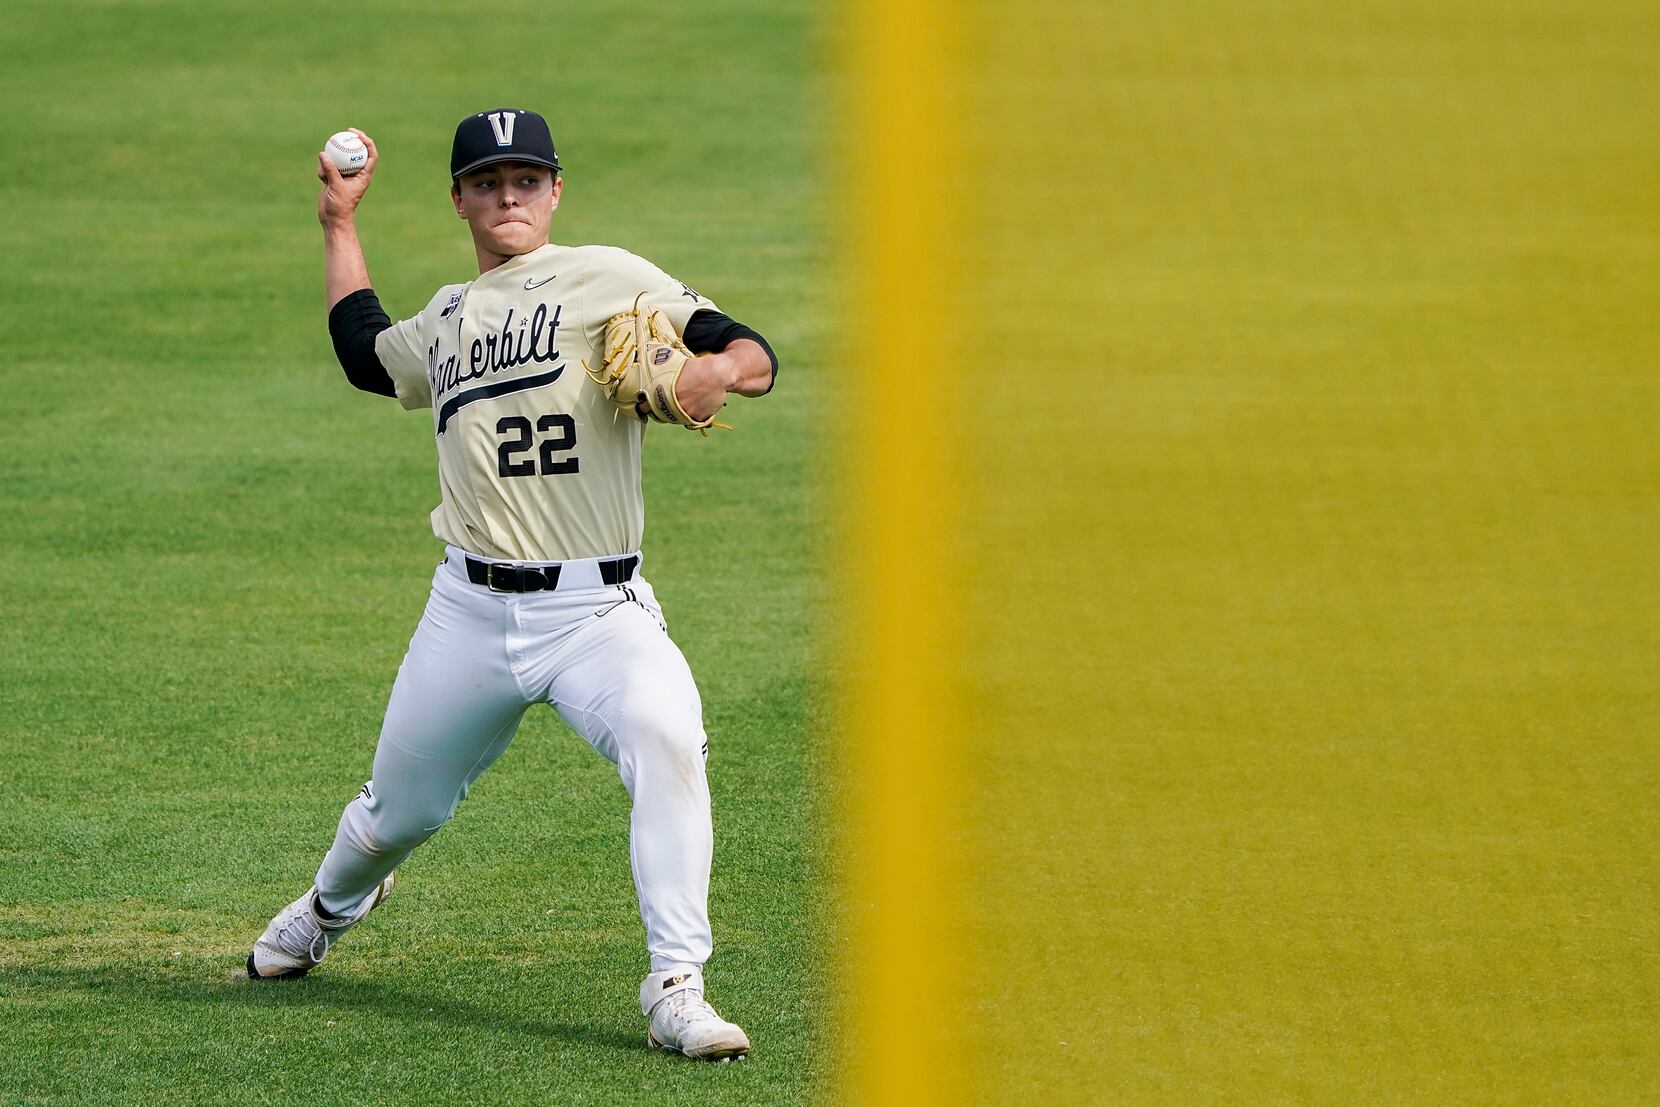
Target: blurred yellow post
(902, 220)
(1256, 501)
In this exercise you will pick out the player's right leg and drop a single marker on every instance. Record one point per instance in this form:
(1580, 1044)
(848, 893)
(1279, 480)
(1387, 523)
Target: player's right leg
(454, 707)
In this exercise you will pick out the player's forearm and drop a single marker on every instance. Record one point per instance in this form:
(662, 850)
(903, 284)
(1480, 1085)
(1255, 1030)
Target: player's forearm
(736, 348)
(705, 381)
(344, 270)
(748, 368)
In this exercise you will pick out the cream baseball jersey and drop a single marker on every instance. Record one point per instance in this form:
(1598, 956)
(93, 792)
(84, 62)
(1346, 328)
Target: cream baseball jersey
(534, 463)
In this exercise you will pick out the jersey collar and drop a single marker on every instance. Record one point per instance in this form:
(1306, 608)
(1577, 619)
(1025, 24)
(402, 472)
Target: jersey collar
(516, 263)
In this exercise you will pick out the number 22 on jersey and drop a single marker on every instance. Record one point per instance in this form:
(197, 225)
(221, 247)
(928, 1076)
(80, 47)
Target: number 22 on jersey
(518, 439)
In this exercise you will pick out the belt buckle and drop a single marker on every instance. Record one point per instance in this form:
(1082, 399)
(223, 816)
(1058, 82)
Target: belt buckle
(490, 568)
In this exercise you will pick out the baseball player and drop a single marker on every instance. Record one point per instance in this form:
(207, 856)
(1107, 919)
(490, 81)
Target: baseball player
(540, 375)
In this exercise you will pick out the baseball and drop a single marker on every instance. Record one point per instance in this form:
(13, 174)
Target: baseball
(347, 152)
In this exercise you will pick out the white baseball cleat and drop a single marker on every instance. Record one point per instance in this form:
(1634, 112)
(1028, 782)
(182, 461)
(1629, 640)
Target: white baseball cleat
(680, 1020)
(296, 941)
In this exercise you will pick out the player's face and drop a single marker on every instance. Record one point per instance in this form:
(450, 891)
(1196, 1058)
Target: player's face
(508, 206)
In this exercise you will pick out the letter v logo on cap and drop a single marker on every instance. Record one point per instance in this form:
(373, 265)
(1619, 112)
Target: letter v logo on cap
(501, 122)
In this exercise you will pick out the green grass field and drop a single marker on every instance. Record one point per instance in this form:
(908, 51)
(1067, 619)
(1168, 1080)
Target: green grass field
(215, 552)
(1325, 769)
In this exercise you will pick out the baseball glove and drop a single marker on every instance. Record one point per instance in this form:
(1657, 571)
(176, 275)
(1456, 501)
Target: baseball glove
(643, 360)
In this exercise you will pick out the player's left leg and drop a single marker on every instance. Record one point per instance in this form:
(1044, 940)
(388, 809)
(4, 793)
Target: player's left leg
(624, 685)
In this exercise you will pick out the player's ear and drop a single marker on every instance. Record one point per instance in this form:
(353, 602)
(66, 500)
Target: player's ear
(558, 183)
(455, 199)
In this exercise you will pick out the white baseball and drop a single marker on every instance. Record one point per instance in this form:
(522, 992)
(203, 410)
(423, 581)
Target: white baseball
(347, 152)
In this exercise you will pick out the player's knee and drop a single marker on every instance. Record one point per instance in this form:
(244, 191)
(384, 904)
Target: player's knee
(652, 732)
(397, 832)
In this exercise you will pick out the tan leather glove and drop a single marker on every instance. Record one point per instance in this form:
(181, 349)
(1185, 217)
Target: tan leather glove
(643, 360)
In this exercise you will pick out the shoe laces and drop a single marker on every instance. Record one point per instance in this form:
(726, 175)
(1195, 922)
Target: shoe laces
(689, 1006)
(302, 936)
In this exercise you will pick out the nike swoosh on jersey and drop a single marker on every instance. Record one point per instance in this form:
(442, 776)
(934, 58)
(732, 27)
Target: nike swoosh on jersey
(500, 388)
(538, 284)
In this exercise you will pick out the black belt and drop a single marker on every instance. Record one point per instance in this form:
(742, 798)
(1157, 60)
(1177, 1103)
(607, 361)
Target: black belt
(541, 578)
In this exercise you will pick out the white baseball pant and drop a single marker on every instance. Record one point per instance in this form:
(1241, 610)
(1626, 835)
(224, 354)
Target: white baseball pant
(602, 657)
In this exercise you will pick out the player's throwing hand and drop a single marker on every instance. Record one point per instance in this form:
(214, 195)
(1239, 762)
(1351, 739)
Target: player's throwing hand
(341, 194)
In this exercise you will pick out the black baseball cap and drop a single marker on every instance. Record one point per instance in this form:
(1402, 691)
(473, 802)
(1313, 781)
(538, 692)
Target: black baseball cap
(502, 134)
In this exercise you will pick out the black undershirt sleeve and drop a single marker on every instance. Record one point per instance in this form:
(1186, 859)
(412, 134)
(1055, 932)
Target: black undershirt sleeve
(710, 332)
(353, 324)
